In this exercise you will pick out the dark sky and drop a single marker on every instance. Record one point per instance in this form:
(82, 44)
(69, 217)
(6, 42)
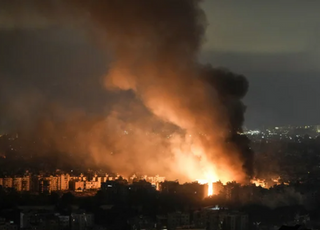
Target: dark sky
(274, 44)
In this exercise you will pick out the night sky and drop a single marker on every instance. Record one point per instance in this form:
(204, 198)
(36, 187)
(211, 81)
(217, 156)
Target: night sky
(274, 44)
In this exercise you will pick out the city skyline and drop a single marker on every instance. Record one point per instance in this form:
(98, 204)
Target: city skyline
(159, 115)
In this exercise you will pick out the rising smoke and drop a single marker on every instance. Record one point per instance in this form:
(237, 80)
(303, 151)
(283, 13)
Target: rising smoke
(184, 119)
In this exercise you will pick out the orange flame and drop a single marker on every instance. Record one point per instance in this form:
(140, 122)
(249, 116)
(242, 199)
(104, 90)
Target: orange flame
(209, 183)
(210, 189)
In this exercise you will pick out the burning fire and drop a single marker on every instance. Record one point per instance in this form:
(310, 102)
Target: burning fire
(259, 182)
(263, 183)
(210, 178)
(192, 161)
(210, 189)
(210, 186)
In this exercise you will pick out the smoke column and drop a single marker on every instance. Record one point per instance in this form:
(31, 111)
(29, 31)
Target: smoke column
(154, 45)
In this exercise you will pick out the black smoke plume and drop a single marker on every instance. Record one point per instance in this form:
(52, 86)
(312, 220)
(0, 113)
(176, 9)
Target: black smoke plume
(154, 47)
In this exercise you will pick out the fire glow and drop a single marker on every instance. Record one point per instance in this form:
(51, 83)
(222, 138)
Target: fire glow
(210, 179)
(210, 191)
(264, 184)
(170, 86)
